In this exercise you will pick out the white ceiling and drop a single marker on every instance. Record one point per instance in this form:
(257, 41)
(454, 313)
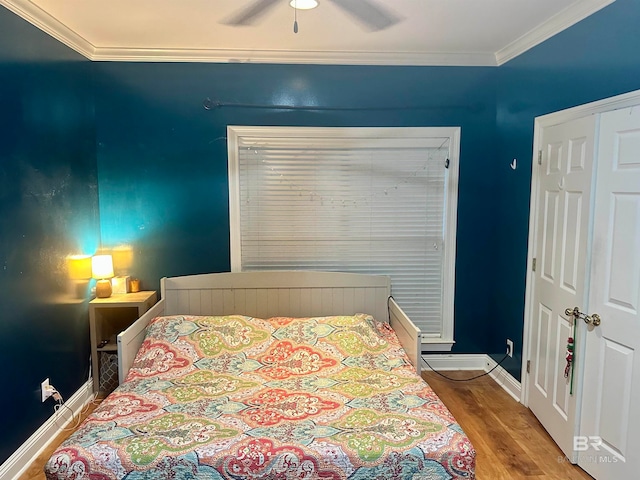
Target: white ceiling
(431, 32)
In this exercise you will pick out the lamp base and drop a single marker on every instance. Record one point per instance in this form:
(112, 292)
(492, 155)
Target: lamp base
(103, 288)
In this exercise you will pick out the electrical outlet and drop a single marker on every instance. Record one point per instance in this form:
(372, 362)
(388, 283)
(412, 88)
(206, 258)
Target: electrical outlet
(45, 389)
(510, 347)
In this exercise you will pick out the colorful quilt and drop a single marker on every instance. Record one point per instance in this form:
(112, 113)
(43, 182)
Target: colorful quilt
(234, 397)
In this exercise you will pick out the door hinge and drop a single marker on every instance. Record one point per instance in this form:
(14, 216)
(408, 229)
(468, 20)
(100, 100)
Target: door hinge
(533, 265)
(539, 157)
(528, 366)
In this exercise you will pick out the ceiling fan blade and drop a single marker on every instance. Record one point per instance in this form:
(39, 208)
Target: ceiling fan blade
(251, 13)
(371, 14)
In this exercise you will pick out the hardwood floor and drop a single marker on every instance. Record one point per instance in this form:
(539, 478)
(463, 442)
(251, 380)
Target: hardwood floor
(510, 442)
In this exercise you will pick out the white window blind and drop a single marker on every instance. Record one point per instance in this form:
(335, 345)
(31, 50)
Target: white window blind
(354, 200)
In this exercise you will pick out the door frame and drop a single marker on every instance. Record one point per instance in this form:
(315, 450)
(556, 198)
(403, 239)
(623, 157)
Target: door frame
(625, 100)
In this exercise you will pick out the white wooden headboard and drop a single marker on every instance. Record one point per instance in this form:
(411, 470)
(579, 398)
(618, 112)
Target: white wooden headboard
(270, 294)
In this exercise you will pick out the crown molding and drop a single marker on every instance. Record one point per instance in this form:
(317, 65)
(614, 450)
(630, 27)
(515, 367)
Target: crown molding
(48, 24)
(291, 57)
(566, 18)
(52, 26)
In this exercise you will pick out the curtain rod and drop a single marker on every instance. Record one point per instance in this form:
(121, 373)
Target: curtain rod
(209, 104)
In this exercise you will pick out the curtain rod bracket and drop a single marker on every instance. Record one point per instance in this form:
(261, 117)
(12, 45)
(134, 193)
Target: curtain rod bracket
(209, 104)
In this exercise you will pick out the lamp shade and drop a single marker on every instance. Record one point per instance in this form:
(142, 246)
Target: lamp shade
(79, 267)
(102, 266)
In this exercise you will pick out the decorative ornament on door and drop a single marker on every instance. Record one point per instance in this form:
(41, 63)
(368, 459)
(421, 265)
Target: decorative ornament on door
(569, 357)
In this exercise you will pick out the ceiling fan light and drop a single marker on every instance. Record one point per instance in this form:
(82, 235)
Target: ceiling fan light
(303, 4)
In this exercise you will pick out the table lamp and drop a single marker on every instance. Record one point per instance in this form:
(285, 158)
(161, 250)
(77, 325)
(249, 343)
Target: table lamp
(102, 267)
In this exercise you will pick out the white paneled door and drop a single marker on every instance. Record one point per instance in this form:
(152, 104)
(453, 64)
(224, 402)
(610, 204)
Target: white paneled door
(561, 242)
(609, 439)
(585, 239)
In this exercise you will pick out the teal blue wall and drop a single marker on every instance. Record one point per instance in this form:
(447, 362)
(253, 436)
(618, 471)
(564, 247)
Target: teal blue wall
(155, 159)
(163, 163)
(595, 59)
(48, 209)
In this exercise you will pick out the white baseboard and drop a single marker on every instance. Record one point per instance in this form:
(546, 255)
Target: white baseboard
(475, 362)
(455, 362)
(505, 380)
(20, 460)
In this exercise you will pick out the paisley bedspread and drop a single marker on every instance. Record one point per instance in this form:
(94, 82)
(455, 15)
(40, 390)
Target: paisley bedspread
(235, 397)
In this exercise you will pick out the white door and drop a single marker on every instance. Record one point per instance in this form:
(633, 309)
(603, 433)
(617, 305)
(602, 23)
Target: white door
(609, 439)
(561, 241)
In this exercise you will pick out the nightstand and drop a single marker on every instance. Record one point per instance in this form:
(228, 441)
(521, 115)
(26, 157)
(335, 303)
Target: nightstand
(107, 318)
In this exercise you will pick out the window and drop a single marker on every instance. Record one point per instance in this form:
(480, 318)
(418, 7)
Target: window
(363, 200)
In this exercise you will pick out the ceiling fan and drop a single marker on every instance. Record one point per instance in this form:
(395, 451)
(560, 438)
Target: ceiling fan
(370, 13)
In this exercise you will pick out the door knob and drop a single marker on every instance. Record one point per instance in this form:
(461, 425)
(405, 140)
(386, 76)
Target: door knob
(595, 319)
(575, 312)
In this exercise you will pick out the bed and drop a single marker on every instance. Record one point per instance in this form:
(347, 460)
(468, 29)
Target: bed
(269, 375)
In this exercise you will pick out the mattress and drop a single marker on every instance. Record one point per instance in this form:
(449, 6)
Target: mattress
(235, 397)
